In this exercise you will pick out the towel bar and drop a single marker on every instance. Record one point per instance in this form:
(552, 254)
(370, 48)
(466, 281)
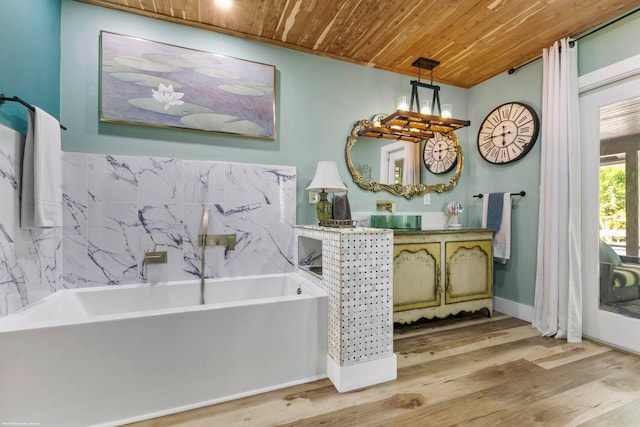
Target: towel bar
(521, 194)
(21, 101)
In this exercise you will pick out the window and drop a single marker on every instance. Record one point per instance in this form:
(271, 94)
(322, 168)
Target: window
(619, 196)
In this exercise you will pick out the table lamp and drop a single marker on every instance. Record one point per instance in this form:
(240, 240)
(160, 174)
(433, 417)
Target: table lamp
(326, 180)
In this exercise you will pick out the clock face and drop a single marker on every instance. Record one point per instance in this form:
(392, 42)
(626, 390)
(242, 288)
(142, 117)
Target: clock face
(508, 133)
(439, 154)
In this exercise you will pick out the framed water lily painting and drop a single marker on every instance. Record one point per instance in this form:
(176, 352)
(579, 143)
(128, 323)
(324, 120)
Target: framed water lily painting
(155, 84)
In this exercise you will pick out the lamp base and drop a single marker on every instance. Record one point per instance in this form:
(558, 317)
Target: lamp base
(323, 207)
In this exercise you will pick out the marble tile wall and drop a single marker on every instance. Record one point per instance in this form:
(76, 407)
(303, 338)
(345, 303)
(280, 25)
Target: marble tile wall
(116, 208)
(120, 207)
(30, 260)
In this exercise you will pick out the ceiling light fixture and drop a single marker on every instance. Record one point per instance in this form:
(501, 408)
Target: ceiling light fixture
(226, 4)
(410, 125)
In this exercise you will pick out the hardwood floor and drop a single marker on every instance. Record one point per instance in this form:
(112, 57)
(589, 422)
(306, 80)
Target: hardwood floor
(469, 371)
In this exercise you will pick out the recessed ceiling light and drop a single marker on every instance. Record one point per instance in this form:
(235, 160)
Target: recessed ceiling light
(224, 3)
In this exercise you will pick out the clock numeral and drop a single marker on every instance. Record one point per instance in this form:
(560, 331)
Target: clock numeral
(516, 112)
(506, 155)
(525, 118)
(485, 146)
(451, 156)
(521, 141)
(526, 130)
(492, 154)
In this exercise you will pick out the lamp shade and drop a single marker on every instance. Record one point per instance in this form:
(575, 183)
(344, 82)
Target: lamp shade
(327, 178)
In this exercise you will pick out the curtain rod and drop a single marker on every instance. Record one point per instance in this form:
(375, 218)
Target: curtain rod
(573, 42)
(21, 101)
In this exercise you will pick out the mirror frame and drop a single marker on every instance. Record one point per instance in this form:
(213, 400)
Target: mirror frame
(406, 191)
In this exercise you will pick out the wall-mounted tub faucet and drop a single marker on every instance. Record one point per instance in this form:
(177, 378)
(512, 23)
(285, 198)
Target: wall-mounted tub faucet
(204, 240)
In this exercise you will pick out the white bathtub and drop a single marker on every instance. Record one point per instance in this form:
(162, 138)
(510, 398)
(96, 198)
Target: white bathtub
(110, 355)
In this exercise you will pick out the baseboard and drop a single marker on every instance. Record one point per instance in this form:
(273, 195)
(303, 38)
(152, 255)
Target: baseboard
(353, 377)
(513, 309)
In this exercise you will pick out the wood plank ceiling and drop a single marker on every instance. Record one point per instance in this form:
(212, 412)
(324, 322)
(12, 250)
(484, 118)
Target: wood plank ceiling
(474, 40)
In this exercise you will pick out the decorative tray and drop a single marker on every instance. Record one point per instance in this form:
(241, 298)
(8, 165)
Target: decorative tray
(338, 223)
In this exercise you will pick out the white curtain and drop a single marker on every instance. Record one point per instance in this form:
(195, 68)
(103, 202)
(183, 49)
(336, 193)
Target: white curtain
(557, 308)
(411, 175)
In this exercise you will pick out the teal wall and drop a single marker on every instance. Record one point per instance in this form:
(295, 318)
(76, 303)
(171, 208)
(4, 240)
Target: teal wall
(318, 100)
(30, 66)
(515, 280)
(609, 45)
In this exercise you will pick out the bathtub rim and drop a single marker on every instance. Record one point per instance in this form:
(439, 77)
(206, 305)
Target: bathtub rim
(310, 290)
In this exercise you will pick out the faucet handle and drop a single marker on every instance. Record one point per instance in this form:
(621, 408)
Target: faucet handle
(386, 205)
(228, 240)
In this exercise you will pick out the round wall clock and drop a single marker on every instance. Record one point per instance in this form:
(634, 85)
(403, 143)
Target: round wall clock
(439, 154)
(508, 133)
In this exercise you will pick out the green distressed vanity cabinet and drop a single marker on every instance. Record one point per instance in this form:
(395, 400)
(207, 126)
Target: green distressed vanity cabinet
(437, 273)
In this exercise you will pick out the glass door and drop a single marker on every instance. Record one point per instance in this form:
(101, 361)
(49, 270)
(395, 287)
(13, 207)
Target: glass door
(610, 134)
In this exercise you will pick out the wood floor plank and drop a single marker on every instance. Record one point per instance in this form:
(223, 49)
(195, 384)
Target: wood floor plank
(426, 351)
(625, 415)
(473, 372)
(578, 403)
(460, 333)
(568, 352)
(526, 399)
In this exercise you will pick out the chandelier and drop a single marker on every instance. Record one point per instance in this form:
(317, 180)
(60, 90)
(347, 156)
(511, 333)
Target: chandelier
(415, 126)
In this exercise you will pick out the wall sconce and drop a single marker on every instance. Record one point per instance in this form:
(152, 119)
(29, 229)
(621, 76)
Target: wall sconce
(326, 180)
(409, 124)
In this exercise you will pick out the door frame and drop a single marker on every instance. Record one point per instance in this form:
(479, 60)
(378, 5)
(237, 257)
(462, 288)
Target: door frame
(602, 87)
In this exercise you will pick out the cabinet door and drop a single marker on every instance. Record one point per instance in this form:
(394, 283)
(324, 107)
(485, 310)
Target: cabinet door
(416, 276)
(468, 270)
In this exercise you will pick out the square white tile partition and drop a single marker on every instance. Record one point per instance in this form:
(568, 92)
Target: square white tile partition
(357, 274)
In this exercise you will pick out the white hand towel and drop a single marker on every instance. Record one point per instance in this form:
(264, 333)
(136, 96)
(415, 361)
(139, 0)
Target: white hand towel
(502, 237)
(41, 203)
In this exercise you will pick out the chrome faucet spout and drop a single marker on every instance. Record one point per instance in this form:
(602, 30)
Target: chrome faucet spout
(204, 228)
(202, 242)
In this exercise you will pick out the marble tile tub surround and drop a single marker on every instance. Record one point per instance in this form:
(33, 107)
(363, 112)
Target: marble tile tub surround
(116, 208)
(119, 207)
(30, 260)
